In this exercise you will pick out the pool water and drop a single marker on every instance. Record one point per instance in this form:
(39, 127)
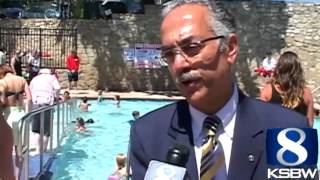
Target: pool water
(316, 125)
(91, 155)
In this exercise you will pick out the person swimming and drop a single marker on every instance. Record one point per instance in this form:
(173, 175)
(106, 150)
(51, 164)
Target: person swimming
(100, 97)
(135, 115)
(88, 121)
(117, 100)
(80, 127)
(84, 105)
(121, 168)
(66, 96)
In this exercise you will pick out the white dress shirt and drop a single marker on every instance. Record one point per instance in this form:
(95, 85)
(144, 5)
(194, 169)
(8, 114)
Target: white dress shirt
(227, 114)
(44, 88)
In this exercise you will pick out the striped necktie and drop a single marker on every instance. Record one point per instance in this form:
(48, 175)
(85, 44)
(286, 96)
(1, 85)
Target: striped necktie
(208, 168)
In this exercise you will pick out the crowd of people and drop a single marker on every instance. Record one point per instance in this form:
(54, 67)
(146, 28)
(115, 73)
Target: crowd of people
(15, 62)
(18, 98)
(32, 60)
(23, 90)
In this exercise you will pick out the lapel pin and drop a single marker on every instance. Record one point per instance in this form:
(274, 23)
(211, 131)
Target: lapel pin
(250, 158)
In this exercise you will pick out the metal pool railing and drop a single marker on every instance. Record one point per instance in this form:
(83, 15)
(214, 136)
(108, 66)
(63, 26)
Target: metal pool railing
(62, 113)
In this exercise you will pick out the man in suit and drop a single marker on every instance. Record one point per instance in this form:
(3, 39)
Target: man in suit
(200, 45)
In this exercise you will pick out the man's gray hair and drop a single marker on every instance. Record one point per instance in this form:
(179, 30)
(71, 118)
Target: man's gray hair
(221, 21)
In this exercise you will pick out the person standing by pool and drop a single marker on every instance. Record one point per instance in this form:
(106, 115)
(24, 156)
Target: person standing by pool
(54, 72)
(33, 64)
(16, 62)
(16, 88)
(3, 57)
(269, 63)
(45, 90)
(288, 87)
(73, 64)
(200, 45)
(6, 140)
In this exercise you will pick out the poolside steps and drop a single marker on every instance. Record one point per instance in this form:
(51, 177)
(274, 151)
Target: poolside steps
(34, 159)
(34, 167)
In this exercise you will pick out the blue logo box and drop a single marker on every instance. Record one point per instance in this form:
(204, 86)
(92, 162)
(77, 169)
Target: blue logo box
(292, 147)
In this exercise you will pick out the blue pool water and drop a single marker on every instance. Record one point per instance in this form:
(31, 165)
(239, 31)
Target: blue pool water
(92, 155)
(316, 125)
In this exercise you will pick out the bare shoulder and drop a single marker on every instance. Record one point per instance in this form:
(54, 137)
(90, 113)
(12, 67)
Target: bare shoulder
(267, 87)
(307, 90)
(266, 92)
(307, 94)
(3, 85)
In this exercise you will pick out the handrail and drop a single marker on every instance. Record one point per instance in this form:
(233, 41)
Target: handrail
(64, 113)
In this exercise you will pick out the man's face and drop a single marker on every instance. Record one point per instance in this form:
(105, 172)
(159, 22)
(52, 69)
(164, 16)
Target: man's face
(201, 74)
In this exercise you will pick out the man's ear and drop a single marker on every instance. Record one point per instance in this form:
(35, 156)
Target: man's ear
(233, 48)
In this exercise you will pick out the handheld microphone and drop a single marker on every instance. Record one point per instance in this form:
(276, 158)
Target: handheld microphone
(173, 168)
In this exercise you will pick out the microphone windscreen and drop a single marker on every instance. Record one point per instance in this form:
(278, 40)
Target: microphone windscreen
(163, 171)
(178, 155)
(173, 168)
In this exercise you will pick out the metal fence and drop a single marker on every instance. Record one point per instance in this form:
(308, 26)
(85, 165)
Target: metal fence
(53, 44)
(64, 113)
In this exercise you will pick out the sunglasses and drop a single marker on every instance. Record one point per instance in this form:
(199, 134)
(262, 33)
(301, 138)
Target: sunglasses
(190, 49)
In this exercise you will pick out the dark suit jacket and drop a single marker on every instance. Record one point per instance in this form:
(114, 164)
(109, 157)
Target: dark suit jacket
(154, 133)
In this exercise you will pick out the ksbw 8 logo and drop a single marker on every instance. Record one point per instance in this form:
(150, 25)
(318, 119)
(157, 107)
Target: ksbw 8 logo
(295, 148)
(292, 146)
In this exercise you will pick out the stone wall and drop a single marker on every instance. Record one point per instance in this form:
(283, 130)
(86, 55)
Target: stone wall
(279, 26)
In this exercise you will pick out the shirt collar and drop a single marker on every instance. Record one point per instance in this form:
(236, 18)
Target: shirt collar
(226, 113)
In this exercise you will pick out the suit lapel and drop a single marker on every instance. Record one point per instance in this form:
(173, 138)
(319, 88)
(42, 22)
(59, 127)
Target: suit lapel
(181, 131)
(248, 139)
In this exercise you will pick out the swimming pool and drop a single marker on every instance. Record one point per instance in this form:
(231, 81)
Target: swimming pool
(316, 125)
(92, 155)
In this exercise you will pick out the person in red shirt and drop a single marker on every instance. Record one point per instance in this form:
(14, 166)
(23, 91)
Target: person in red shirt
(73, 62)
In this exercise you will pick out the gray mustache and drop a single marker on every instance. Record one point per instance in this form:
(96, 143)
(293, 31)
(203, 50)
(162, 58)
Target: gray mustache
(188, 76)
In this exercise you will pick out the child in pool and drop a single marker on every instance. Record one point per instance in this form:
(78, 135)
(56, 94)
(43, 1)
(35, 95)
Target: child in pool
(117, 100)
(80, 125)
(84, 105)
(100, 98)
(121, 169)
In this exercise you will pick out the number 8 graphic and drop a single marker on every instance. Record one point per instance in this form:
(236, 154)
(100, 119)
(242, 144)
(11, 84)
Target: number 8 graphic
(295, 147)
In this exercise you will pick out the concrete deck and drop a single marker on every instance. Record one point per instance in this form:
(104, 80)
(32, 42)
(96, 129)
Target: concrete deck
(124, 95)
